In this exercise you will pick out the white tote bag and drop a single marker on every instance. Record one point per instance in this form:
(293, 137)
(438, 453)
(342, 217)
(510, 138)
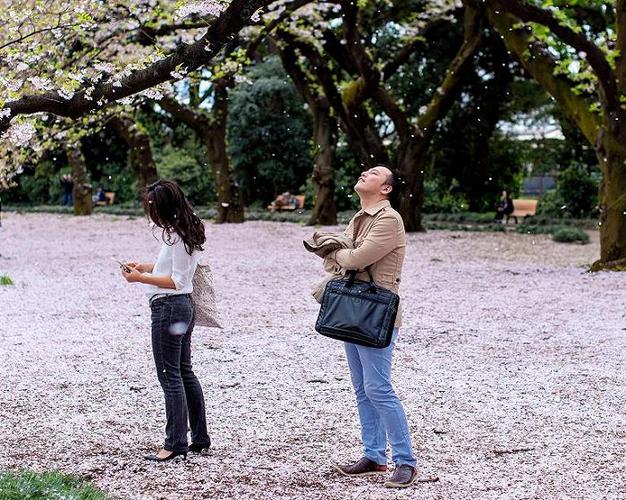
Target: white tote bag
(203, 297)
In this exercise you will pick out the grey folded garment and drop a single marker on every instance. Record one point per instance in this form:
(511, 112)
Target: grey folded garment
(322, 244)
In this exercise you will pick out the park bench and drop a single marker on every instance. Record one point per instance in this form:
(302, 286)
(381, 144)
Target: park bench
(522, 208)
(110, 199)
(299, 197)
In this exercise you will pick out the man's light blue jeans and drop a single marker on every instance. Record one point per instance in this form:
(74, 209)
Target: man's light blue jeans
(380, 411)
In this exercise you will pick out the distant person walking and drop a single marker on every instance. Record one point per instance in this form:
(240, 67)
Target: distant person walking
(170, 284)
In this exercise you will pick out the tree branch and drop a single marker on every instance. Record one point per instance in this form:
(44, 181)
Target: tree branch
(401, 58)
(364, 64)
(444, 96)
(298, 77)
(185, 114)
(541, 66)
(36, 32)
(593, 54)
(338, 52)
(192, 56)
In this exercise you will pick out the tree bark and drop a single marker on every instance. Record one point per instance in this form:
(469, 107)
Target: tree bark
(230, 205)
(611, 153)
(83, 204)
(139, 150)
(410, 165)
(325, 143)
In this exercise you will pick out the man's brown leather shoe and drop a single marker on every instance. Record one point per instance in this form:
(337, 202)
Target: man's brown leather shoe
(403, 477)
(364, 467)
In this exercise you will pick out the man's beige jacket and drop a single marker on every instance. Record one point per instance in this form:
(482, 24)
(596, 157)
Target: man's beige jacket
(379, 242)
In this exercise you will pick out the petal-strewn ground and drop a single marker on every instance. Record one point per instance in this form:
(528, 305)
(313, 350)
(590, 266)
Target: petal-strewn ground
(511, 365)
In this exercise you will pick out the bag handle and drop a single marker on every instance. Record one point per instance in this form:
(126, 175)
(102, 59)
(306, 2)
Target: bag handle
(352, 276)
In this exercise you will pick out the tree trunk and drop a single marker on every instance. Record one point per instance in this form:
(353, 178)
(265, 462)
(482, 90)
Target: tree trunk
(142, 161)
(140, 152)
(612, 158)
(325, 141)
(410, 165)
(81, 193)
(230, 203)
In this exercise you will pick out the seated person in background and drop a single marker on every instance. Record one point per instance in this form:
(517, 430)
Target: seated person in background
(285, 200)
(100, 196)
(506, 207)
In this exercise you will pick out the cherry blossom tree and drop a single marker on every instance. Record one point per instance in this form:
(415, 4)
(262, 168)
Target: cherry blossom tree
(74, 59)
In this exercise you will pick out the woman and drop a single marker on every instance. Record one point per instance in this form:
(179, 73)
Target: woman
(506, 208)
(170, 285)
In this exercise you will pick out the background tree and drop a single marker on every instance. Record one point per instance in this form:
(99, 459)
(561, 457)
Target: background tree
(325, 134)
(360, 98)
(268, 133)
(585, 72)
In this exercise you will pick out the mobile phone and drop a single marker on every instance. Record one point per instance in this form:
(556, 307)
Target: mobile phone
(122, 265)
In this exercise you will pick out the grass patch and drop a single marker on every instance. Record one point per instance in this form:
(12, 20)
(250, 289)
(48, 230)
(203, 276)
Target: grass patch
(570, 235)
(6, 280)
(47, 485)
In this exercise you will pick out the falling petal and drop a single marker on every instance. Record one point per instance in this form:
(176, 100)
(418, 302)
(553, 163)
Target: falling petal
(178, 328)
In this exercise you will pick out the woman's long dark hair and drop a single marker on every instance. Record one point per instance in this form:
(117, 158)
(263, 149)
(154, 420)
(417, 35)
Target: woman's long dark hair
(167, 206)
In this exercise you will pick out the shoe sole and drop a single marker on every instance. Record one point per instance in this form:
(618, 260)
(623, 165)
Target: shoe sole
(362, 474)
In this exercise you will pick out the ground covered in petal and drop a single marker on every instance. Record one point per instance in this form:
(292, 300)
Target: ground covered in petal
(511, 366)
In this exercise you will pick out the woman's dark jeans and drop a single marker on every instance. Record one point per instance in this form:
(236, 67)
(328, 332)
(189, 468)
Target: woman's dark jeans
(173, 319)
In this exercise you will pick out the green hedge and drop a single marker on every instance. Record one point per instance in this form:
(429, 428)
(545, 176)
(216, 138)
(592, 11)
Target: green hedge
(570, 235)
(466, 221)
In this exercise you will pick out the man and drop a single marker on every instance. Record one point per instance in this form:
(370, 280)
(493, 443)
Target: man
(67, 184)
(379, 243)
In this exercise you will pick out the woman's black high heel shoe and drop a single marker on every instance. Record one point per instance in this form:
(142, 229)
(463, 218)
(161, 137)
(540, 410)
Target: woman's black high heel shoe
(197, 448)
(173, 454)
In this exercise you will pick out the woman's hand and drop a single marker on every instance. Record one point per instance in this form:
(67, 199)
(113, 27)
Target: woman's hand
(142, 268)
(136, 265)
(134, 276)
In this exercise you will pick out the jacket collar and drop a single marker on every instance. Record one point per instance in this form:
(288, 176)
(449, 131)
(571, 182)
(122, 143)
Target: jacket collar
(373, 210)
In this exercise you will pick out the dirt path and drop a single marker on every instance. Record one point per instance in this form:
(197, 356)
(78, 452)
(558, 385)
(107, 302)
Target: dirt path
(523, 351)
